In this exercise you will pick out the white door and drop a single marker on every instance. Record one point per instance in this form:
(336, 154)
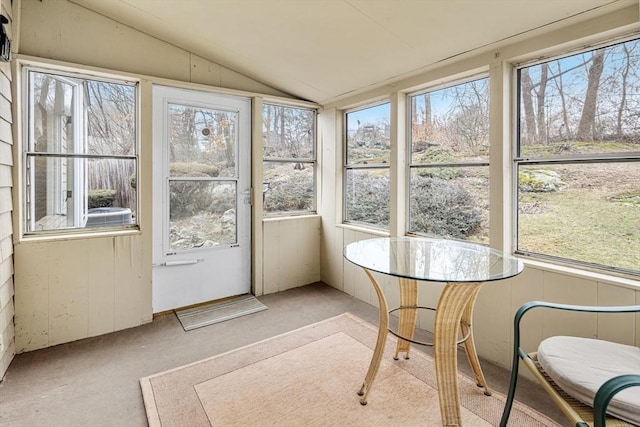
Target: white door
(201, 197)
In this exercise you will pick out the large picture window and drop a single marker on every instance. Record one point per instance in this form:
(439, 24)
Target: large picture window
(289, 166)
(578, 157)
(80, 156)
(367, 157)
(449, 164)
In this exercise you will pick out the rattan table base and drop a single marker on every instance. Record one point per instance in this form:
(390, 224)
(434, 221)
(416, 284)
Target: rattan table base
(453, 316)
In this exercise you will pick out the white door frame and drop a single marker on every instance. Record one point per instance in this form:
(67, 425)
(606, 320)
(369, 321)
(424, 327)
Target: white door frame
(199, 275)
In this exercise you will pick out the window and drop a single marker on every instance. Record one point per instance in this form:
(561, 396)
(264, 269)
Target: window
(80, 156)
(289, 166)
(578, 158)
(368, 150)
(449, 164)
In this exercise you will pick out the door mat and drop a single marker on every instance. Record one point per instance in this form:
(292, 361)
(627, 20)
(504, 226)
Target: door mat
(216, 312)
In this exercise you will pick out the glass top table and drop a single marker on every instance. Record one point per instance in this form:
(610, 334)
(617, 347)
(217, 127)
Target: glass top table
(435, 260)
(464, 267)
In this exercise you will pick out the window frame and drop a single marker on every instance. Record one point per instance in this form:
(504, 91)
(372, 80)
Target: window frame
(346, 167)
(517, 159)
(27, 154)
(409, 141)
(310, 161)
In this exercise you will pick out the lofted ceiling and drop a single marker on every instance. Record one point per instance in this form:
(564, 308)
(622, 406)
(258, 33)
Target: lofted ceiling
(323, 50)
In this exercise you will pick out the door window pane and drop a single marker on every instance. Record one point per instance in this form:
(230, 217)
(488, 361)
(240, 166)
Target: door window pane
(202, 141)
(202, 214)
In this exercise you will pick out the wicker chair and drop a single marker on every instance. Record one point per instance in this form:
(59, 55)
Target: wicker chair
(578, 413)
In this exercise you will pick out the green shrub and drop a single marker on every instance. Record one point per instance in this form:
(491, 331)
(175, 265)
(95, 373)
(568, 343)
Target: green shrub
(101, 198)
(444, 209)
(368, 199)
(188, 198)
(435, 156)
(193, 169)
(289, 193)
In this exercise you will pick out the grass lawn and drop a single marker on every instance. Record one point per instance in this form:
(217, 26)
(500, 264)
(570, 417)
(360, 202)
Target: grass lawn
(579, 224)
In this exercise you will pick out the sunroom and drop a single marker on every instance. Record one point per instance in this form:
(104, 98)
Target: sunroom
(161, 155)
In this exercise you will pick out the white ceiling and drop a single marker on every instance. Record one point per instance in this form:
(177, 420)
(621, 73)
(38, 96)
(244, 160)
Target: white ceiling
(322, 50)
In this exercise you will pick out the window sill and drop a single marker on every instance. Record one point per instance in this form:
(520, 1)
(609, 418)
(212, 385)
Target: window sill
(38, 238)
(622, 280)
(363, 229)
(289, 217)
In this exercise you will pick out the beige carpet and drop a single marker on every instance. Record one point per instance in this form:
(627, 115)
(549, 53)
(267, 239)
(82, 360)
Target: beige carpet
(309, 377)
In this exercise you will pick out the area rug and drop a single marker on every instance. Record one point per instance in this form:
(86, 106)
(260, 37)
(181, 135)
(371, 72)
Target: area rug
(216, 312)
(309, 377)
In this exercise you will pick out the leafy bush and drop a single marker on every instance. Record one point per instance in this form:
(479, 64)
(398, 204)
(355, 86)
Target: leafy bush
(443, 208)
(101, 198)
(289, 193)
(190, 197)
(368, 199)
(223, 198)
(435, 156)
(188, 169)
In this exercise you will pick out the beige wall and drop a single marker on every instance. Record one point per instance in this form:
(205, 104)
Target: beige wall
(60, 30)
(291, 252)
(498, 301)
(7, 343)
(72, 289)
(82, 286)
(56, 304)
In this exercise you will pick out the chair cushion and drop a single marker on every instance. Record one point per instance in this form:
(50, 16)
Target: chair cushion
(581, 365)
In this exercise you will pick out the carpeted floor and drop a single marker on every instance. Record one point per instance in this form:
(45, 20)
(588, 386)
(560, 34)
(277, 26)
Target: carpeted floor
(96, 381)
(310, 377)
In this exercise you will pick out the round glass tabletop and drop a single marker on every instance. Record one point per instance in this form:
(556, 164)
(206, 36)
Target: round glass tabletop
(438, 260)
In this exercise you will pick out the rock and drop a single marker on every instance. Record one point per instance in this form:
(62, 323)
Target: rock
(540, 181)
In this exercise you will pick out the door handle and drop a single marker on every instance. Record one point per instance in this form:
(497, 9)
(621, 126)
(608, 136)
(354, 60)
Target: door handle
(184, 262)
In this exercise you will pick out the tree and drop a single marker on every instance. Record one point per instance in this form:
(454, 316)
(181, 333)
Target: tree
(421, 121)
(587, 126)
(622, 106)
(559, 84)
(467, 122)
(526, 89)
(540, 96)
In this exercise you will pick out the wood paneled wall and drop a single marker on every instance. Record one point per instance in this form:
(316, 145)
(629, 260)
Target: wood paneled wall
(498, 301)
(291, 252)
(72, 289)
